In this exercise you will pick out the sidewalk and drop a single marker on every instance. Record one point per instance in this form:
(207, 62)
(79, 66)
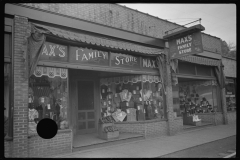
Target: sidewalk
(155, 147)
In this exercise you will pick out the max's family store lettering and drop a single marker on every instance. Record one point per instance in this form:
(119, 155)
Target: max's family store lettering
(56, 52)
(186, 45)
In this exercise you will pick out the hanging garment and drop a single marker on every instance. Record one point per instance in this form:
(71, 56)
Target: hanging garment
(117, 98)
(32, 113)
(147, 95)
(131, 114)
(119, 88)
(104, 92)
(40, 112)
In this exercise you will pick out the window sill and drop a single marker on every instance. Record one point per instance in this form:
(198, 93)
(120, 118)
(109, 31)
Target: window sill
(59, 131)
(137, 122)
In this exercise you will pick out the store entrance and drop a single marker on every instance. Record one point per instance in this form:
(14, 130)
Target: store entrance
(85, 107)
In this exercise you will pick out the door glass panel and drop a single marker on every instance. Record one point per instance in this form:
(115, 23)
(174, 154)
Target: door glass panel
(91, 124)
(85, 95)
(81, 116)
(90, 115)
(81, 125)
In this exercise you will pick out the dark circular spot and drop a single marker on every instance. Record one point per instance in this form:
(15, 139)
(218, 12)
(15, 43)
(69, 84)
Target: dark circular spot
(47, 128)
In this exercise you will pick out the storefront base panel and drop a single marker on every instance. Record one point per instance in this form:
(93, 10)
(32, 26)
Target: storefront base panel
(214, 118)
(207, 117)
(60, 144)
(147, 129)
(8, 148)
(231, 117)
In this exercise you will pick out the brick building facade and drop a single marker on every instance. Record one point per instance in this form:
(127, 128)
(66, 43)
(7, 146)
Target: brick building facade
(113, 22)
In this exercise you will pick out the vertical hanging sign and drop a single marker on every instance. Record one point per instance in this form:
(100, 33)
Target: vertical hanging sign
(185, 42)
(186, 45)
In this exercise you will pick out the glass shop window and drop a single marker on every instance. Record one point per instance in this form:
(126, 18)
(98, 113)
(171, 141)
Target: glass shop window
(186, 68)
(204, 70)
(230, 95)
(198, 97)
(48, 94)
(124, 98)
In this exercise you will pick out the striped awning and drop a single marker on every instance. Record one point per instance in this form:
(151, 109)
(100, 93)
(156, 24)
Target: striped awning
(99, 41)
(200, 60)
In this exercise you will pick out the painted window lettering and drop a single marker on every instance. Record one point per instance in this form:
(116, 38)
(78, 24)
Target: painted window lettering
(125, 60)
(89, 55)
(52, 50)
(149, 63)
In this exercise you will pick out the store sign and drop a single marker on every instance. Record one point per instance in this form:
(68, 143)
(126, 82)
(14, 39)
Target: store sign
(125, 61)
(91, 57)
(186, 45)
(88, 56)
(54, 52)
(149, 63)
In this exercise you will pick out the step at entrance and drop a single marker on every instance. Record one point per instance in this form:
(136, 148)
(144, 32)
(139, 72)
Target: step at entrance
(98, 143)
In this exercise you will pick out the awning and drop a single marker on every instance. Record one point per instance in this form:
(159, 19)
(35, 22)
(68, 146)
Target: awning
(99, 41)
(200, 60)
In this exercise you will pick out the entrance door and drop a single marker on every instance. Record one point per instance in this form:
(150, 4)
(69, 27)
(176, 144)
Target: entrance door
(85, 109)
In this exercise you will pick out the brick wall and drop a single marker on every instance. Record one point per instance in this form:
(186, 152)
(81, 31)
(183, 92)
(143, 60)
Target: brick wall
(216, 119)
(158, 128)
(231, 117)
(211, 43)
(206, 117)
(131, 127)
(112, 15)
(230, 68)
(147, 128)
(20, 114)
(8, 149)
(219, 119)
(178, 124)
(121, 17)
(60, 144)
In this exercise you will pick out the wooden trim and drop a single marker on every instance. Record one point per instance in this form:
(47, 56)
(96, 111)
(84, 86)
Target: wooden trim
(95, 68)
(195, 77)
(8, 22)
(75, 23)
(8, 28)
(209, 55)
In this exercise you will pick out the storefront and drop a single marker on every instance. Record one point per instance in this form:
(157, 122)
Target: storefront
(230, 91)
(79, 85)
(196, 91)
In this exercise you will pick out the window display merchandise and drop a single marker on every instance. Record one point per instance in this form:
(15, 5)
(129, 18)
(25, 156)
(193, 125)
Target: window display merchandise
(196, 97)
(230, 95)
(132, 98)
(48, 96)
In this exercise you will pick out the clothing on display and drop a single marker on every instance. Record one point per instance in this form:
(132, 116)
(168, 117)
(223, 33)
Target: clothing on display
(129, 94)
(49, 99)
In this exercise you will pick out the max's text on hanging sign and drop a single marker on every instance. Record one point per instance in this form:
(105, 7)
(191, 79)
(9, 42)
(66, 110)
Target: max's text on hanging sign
(186, 45)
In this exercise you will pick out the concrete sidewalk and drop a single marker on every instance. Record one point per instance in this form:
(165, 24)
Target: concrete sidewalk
(155, 147)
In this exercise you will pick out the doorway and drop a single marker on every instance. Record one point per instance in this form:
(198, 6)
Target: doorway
(85, 107)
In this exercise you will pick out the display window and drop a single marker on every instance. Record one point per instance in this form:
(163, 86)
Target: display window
(197, 97)
(48, 96)
(230, 95)
(132, 98)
